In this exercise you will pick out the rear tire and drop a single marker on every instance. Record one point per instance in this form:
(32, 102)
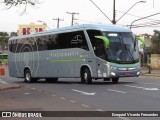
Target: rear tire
(115, 80)
(86, 76)
(28, 77)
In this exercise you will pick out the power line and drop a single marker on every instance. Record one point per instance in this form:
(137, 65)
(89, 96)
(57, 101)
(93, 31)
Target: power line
(131, 8)
(134, 15)
(114, 11)
(143, 18)
(91, 22)
(146, 25)
(101, 11)
(149, 23)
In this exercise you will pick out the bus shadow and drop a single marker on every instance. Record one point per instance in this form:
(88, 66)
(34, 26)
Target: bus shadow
(110, 83)
(61, 82)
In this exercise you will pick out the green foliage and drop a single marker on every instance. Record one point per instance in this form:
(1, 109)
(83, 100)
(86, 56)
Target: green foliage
(155, 42)
(13, 34)
(3, 34)
(3, 40)
(3, 37)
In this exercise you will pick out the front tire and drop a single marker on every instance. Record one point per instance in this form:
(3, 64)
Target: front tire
(86, 76)
(115, 80)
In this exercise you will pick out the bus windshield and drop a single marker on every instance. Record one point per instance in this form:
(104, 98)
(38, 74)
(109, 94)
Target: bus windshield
(122, 48)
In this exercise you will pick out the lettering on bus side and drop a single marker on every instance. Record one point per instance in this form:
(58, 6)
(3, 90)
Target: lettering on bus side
(65, 54)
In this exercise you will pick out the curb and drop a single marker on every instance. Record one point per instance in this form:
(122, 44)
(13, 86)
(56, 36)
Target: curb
(150, 75)
(9, 86)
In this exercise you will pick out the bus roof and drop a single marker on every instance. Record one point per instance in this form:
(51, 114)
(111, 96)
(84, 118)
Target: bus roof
(109, 28)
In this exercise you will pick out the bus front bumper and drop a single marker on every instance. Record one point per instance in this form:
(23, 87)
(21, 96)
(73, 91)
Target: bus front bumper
(116, 73)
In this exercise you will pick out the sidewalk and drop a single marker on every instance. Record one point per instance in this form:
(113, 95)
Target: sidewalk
(154, 72)
(9, 86)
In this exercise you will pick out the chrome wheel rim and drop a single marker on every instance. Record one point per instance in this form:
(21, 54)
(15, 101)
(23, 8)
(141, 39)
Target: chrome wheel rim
(85, 76)
(28, 76)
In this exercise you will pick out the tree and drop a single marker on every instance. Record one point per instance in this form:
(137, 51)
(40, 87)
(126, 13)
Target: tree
(4, 34)
(13, 34)
(155, 42)
(11, 3)
(4, 37)
(3, 40)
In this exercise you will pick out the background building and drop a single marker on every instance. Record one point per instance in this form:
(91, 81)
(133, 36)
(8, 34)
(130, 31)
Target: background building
(25, 29)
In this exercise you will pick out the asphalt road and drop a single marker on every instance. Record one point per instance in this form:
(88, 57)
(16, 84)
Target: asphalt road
(130, 94)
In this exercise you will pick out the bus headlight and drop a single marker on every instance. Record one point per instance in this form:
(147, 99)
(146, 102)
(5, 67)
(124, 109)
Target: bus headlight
(113, 74)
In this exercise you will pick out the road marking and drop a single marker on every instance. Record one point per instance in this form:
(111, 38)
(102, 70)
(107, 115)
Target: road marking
(99, 110)
(116, 91)
(72, 101)
(53, 95)
(33, 88)
(124, 118)
(26, 93)
(85, 105)
(83, 93)
(4, 82)
(142, 87)
(62, 98)
(149, 83)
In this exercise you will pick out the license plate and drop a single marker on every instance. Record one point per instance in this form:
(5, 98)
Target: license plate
(127, 74)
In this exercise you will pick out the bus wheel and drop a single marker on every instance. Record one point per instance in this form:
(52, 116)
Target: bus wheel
(51, 80)
(115, 80)
(86, 76)
(27, 76)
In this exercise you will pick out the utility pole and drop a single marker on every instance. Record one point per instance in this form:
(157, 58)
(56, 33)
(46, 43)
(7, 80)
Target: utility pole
(73, 13)
(114, 13)
(58, 20)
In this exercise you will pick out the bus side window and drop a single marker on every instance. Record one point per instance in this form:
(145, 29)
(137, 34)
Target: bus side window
(100, 49)
(42, 43)
(52, 42)
(78, 40)
(92, 34)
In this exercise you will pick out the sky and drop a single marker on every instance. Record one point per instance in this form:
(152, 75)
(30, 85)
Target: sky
(47, 10)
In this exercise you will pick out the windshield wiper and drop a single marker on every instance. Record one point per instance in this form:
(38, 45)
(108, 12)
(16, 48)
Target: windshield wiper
(128, 51)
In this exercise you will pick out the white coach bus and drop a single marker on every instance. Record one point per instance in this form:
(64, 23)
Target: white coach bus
(84, 51)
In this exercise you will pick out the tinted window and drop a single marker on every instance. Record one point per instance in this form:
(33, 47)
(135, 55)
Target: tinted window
(97, 44)
(50, 42)
(92, 34)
